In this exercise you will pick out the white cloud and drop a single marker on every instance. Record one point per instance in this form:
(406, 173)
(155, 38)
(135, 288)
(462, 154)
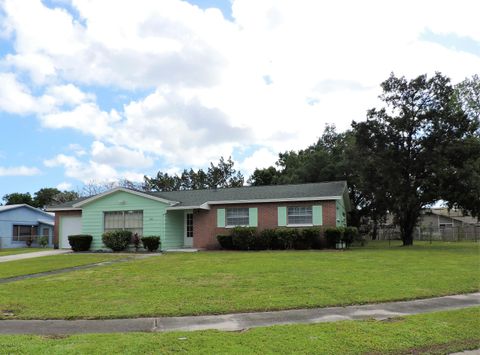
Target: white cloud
(261, 158)
(64, 186)
(87, 118)
(19, 171)
(119, 156)
(90, 170)
(15, 97)
(206, 77)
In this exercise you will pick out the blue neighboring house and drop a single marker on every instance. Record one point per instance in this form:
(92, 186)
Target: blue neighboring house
(18, 223)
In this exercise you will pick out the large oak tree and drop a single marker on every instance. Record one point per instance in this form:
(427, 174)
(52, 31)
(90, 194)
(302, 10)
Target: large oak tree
(423, 147)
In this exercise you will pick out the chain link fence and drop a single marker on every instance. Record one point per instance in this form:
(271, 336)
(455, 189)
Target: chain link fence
(433, 233)
(37, 241)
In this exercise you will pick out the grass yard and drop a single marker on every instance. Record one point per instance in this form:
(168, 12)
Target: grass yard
(13, 251)
(223, 282)
(49, 263)
(434, 333)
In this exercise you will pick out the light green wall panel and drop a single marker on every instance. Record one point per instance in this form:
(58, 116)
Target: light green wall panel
(174, 229)
(153, 215)
(253, 217)
(221, 217)
(341, 215)
(317, 215)
(282, 216)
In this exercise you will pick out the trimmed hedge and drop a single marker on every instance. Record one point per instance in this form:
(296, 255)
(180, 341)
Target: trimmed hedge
(80, 242)
(248, 238)
(225, 241)
(333, 235)
(244, 238)
(117, 240)
(151, 243)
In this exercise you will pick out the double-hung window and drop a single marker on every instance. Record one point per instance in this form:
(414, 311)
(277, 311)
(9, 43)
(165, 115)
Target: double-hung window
(124, 220)
(237, 217)
(299, 215)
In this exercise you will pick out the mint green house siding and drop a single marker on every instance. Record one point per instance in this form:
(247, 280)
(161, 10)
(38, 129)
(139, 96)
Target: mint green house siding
(174, 230)
(154, 218)
(341, 215)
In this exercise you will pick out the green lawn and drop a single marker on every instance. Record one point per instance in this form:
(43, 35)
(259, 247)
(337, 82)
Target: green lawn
(13, 251)
(224, 282)
(434, 333)
(48, 263)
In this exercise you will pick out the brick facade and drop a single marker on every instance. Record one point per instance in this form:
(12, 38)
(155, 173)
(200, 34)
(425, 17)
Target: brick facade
(59, 214)
(205, 228)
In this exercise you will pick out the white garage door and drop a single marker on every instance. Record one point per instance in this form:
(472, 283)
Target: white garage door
(69, 225)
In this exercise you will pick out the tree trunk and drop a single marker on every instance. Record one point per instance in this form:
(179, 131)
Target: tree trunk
(375, 230)
(407, 228)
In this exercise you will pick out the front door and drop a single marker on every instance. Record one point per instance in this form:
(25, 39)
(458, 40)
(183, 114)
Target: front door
(188, 236)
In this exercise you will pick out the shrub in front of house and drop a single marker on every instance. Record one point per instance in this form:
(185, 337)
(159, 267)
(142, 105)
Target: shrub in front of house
(43, 241)
(350, 235)
(333, 235)
(285, 238)
(117, 240)
(269, 238)
(306, 238)
(225, 241)
(151, 243)
(80, 242)
(243, 238)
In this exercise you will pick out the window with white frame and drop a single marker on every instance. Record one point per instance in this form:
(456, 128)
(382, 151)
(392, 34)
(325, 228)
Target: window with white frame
(124, 220)
(237, 217)
(299, 215)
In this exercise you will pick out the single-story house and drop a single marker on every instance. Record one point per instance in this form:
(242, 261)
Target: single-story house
(21, 222)
(442, 217)
(193, 218)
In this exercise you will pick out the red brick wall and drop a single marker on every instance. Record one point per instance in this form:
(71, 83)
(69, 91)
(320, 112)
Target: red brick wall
(205, 228)
(57, 222)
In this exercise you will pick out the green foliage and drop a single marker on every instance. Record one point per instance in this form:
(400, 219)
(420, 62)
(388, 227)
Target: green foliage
(17, 198)
(247, 238)
(43, 241)
(222, 174)
(80, 242)
(42, 198)
(225, 241)
(117, 240)
(286, 237)
(269, 238)
(151, 243)
(310, 238)
(266, 176)
(421, 145)
(333, 235)
(244, 238)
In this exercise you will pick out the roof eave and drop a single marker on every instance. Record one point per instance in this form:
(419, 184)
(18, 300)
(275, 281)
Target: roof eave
(138, 193)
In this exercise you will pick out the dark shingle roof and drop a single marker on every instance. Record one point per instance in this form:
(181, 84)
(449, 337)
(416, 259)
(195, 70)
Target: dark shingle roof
(199, 197)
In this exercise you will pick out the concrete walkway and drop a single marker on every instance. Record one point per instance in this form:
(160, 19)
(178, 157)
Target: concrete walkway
(231, 322)
(35, 254)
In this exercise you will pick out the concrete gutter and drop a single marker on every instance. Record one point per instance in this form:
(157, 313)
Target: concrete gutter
(232, 322)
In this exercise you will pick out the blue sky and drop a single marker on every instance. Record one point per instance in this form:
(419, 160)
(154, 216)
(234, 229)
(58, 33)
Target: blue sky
(166, 85)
